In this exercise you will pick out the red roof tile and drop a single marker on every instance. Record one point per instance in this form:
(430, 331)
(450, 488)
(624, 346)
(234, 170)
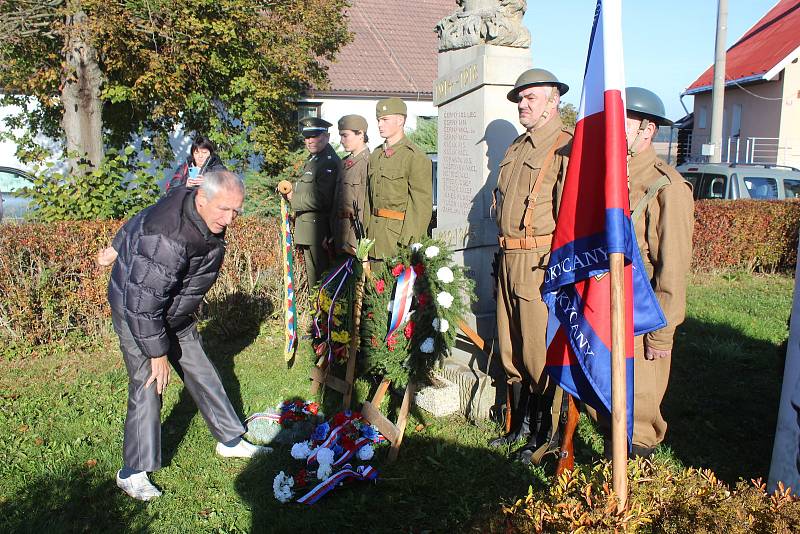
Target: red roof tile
(763, 47)
(394, 48)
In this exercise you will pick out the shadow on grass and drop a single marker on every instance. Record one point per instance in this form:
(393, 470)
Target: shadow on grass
(435, 485)
(225, 335)
(722, 401)
(77, 500)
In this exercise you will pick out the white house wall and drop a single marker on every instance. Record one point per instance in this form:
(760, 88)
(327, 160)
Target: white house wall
(789, 137)
(332, 109)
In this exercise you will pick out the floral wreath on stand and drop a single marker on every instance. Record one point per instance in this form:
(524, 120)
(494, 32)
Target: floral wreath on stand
(426, 295)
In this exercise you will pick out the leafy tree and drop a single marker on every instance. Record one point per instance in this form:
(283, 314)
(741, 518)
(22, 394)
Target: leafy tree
(102, 71)
(426, 135)
(569, 115)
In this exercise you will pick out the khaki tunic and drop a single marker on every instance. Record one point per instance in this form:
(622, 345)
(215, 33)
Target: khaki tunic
(664, 234)
(311, 202)
(399, 179)
(349, 201)
(521, 313)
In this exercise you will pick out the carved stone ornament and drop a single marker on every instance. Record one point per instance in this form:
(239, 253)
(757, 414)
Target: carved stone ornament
(476, 22)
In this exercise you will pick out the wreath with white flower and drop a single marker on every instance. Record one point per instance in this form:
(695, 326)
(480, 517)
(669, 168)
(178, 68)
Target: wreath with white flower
(441, 296)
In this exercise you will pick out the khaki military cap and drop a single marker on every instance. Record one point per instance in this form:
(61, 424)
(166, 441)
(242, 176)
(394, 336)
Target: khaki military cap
(390, 106)
(357, 123)
(313, 126)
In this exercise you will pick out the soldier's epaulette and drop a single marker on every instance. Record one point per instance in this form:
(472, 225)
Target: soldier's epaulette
(669, 171)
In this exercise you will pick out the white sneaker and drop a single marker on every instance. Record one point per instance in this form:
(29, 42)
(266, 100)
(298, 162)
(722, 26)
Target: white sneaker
(138, 486)
(243, 449)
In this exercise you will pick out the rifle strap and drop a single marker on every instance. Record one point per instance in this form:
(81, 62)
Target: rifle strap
(651, 193)
(556, 410)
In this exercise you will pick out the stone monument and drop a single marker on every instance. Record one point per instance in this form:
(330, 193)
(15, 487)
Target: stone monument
(483, 47)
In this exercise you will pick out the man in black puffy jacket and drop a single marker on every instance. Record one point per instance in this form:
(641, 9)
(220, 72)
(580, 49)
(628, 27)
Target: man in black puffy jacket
(168, 256)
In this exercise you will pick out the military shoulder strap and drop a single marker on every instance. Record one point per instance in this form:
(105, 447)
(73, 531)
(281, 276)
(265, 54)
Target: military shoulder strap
(651, 193)
(558, 410)
(536, 185)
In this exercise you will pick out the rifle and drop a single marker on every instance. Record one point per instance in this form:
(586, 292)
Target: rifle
(566, 461)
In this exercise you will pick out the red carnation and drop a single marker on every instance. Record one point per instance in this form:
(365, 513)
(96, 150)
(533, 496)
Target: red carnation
(398, 270)
(312, 408)
(373, 342)
(301, 478)
(423, 299)
(320, 349)
(380, 285)
(408, 331)
(419, 269)
(391, 341)
(347, 443)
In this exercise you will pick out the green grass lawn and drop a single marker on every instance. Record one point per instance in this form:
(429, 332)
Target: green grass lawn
(61, 417)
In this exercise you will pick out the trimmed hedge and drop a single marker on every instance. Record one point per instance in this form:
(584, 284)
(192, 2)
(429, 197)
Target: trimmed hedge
(50, 286)
(746, 234)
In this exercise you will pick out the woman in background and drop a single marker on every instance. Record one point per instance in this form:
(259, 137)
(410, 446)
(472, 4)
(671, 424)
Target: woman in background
(348, 202)
(202, 157)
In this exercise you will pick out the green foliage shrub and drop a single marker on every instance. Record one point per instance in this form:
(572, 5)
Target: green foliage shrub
(746, 234)
(51, 287)
(662, 500)
(118, 188)
(262, 200)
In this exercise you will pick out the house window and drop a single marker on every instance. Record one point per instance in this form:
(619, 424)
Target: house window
(736, 120)
(307, 109)
(702, 118)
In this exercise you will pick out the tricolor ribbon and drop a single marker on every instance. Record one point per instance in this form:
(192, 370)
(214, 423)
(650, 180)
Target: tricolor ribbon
(401, 306)
(345, 270)
(290, 312)
(360, 473)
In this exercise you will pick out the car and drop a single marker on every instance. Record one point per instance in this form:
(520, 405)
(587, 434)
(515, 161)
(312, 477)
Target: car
(13, 207)
(732, 181)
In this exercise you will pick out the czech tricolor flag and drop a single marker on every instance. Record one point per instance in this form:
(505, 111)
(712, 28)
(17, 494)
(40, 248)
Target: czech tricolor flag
(593, 222)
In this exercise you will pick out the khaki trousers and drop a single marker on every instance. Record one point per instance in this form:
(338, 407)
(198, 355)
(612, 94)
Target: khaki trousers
(650, 378)
(522, 317)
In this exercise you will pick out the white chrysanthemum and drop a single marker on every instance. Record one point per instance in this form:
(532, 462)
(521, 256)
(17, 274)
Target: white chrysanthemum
(282, 487)
(324, 472)
(432, 251)
(440, 325)
(365, 453)
(427, 346)
(301, 450)
(325, 456)
(444, 299)
(445, 275)
(416, 246)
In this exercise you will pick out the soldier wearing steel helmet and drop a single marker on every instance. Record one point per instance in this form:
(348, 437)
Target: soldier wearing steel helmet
(312, 197)
(526, 202)
(663, 217)
(348, 205)
(399, 200)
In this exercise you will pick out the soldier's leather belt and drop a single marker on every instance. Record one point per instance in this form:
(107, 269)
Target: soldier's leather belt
(389, 214)
(525, 243)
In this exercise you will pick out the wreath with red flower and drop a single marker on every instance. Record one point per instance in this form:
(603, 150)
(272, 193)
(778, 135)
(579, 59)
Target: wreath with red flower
(441, 298)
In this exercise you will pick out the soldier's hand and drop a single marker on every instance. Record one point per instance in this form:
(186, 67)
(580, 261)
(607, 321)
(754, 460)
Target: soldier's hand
(652, 354)
(159, 374)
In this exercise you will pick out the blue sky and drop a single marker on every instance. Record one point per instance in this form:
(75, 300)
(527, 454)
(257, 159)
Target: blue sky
(668, 44)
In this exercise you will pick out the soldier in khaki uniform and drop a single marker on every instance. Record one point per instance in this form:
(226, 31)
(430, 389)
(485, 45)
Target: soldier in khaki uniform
(312, 197)
(663, 215)
(399, 200)
(526, 200)
(348, 205)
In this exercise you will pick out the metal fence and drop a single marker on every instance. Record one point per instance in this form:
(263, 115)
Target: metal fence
(736, 149)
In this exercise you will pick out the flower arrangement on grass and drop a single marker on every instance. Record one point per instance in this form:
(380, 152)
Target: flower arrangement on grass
(440, 298)
(285, 424)
(329, 452)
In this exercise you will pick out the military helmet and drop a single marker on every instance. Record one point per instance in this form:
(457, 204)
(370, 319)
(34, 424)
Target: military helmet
(533, 77)
(646, 103)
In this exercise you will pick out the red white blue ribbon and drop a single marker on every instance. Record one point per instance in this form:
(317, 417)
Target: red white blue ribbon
(360, 473)
(401, 306)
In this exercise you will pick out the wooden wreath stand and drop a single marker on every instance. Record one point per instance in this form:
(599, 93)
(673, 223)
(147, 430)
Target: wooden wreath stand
(393, 432)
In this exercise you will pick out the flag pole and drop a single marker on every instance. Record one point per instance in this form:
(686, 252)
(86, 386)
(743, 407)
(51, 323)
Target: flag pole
(619, 416)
